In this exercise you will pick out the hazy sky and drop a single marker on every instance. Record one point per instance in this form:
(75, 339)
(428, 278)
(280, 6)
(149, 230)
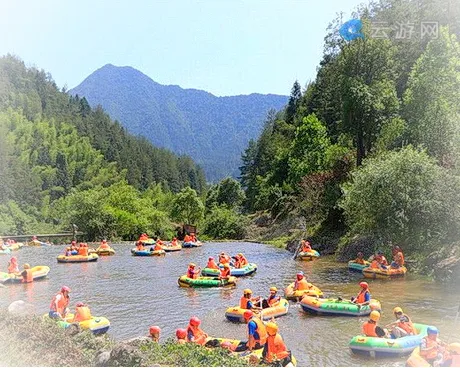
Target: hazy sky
(226, 47)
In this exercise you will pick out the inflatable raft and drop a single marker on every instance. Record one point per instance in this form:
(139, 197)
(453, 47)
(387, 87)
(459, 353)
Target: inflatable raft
(353, 266)
(290, 294)
(192, 244)
(4, 277)
(105, 251)
(147, 252)
(416, 360)
(97, 325)
(247, 270)
(378, 273)
(77, 258)
(378, 346)
(235, 314)
(5, 251)
(172, 248)
(331, 306)
(248, 355)
(37, 243)
(38, 272)
(308, 256)
(185, 281)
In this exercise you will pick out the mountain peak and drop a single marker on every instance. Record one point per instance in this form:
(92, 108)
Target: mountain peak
(214, 131)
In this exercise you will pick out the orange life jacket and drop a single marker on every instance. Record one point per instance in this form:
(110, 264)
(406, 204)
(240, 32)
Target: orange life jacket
(272, 301)
(158, 246)
(224, 259)
(27, 275)
(225, 272)
(276, 349)
(211, 264)
(243, 261)
(407, 326)
(244, 302)
(13, 268)
(82, 314)
(261, 330)
(431, 350)
(187, 239)
(361, 298)
(360, 261)
(84, 251)
(199, 335)
(375, 264)
(191, 273)
(104, 245)
(301, 285)
(369, 329)
(62, 303)
(174, 243)
(143, 238)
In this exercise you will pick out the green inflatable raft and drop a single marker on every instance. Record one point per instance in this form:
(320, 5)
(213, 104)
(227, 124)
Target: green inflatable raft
(380, 346)
(341, 307)
(204, 282)
(358, 267)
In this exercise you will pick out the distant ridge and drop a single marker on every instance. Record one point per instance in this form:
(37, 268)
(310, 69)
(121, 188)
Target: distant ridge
(213, 130)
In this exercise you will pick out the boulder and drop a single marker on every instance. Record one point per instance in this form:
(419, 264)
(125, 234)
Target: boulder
(102, 359)
(125, 355)
(21, 308)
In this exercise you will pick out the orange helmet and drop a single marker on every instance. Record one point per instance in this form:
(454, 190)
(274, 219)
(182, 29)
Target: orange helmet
(181, 333)
(154, 330)
(195, 321)
(364, 284)
(248, 314)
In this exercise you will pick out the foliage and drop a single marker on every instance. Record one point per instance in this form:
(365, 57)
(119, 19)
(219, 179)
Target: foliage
(228, 192)
(404, 197)
(432, 98)
(187, 207)
(224, 223)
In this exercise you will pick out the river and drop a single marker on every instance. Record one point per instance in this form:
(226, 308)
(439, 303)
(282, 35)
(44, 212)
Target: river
(136, 292)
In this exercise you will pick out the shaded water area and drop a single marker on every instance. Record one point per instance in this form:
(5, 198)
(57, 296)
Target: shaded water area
(136, 292)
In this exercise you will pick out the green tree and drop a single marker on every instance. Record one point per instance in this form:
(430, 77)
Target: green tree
(187, 207)
(431, 102)
(404, 197)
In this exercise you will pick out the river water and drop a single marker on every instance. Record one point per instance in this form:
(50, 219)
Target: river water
(137, 292)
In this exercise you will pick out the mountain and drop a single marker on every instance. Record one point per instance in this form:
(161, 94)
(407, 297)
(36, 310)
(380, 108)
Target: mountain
(214, 131)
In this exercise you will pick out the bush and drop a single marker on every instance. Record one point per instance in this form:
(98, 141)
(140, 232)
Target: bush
(225, 223)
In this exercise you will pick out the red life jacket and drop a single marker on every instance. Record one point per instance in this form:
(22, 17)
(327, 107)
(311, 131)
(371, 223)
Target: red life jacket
(407, 326)
(361, 298)
(62, 303)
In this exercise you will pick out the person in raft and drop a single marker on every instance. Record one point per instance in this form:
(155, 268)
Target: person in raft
(104, 244)
(364, 295)
(305, 246)
(140, 245)
(301, 283)
(154, 333)
(247, 301)
(188, 239)
(192, 273)
(59, 304)
(27, 275)
(273, 300)
(212, 264)
(13, 266)
(181, 335)
(82, 313)
(453, 359)
(370, 327)
(68, 252)
(402, 326)
(398, 257)
(432, 348)
(195, 333)
(360, 258)
(174, 242)
(224, 258)
(242, 260)
(158, 245)
(73, 246)
(275, 352)
(379, 261)
(143, 237)
(225, 272)
(257, 333)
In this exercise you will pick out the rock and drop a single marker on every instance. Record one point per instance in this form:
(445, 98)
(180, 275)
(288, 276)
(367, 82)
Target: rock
(21, 308)
(137, 341)
(125, 355)
(102, 359)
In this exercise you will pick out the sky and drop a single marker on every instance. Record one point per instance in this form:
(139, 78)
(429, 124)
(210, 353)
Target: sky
(226, 47)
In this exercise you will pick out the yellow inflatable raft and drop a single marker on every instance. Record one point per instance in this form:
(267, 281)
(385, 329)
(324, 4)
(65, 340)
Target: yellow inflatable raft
(105, 251)
(38, 272)
(379, 273)
(235, 314)
(97, 325)
(77, 258)
(290, 294)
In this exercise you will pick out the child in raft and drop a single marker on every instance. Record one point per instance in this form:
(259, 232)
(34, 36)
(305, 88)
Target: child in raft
(360, 258)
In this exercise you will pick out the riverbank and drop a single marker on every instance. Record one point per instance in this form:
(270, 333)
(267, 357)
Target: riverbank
(46, 344)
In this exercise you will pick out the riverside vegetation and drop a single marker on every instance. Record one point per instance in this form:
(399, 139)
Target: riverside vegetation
(366, 156)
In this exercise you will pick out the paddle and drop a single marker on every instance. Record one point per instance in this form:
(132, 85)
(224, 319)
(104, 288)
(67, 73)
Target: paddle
(297, 251)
